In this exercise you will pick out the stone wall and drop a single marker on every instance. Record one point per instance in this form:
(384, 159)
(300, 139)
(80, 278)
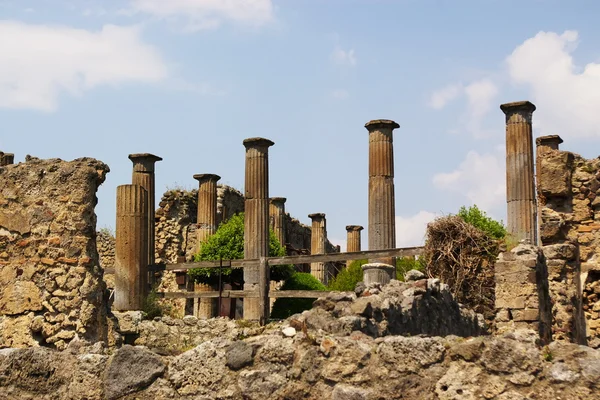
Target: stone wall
(51, 287)
(283, 363)
(521, 294)
(569, 219)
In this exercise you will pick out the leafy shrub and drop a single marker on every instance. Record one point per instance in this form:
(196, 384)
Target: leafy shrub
(347, 278)
(152, 307)
(284, 308)
(405, 264)
(479, 219)
(228, 244)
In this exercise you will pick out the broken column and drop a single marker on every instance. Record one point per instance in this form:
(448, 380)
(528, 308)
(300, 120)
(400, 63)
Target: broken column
(143, 175)
(7, 159)
(353, 240)
(206, 226)
(318, 236)
(277, 218)
(131, 253)
(382, 213)
(520, 186)
(256, 219)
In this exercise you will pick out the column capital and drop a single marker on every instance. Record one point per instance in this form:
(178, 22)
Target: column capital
(517, 106)
(206, 177)
(316, 216)
(144, 162)
(351, 228)
(277, 200)
(551, 141)
(257, 142)
(376, 124)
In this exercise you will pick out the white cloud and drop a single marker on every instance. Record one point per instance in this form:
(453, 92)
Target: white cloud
(410, 231)
(340, 94)
(207, 14)
(343, 57)
(480, 95)
(479, 177)
(443, 96)
(567, 96)
(38, 63)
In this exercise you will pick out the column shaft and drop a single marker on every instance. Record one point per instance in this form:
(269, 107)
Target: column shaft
(353, 240)
(143, 175)
(277, 218)
(206, 226)
(520, 186)
(130, 248)
(256, 220)
(318, 236)
(382, 213)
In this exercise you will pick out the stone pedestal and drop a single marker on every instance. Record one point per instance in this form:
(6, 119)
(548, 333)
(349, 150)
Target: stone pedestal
(317, 245)
(520, 186)
(382, 211)
(277, 218)
(256, 220)
(131, 262)
(378, 273)
(206, 226)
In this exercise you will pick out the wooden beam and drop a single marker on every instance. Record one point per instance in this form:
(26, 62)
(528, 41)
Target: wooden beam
(302, 259)
(288, 294)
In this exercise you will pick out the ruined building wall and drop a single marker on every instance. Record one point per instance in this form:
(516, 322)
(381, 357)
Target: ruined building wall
(51, 287)
(569, 217)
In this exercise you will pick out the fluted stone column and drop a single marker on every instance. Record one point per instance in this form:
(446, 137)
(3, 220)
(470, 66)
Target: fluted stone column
(382, 209)
(256, 219)
(353, 240)
(131, 274)
(206, 226)
(7, 159)
(143, 175)
(277, 218)
(520, 186)
(318, 236)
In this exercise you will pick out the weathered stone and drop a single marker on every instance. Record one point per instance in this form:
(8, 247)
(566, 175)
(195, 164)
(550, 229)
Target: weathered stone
(239, 354)
(124, 374)
(20, 297)
(414, 275)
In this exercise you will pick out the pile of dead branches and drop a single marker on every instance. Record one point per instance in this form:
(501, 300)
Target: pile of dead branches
(463, 257)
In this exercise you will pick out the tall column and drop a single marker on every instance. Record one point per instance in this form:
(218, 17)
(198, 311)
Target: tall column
(206, 226)
(131, 274)
(520, 186)
(353, 240)
(382, 208)
(7, 159)
(277, 217)
(256, 220)
(318, 235)
(143, 175)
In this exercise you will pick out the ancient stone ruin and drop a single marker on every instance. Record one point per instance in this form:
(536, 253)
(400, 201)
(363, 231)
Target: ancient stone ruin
(71, 298)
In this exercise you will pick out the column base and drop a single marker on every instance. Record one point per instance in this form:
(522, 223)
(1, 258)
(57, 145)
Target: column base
(378, 273)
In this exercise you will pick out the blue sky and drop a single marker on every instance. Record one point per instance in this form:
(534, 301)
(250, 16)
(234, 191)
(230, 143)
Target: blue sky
(188, 80)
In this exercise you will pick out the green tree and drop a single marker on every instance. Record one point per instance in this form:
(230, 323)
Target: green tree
(228, 244)
(348, 277)
(283, 307)
(405, 264)
(479, 219)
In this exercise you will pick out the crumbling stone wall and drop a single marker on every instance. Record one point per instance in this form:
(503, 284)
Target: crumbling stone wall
(521, 294)
(569, 218)
(51, 288)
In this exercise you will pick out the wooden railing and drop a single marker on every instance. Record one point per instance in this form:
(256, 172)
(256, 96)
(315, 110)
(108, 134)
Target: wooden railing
(263, 294)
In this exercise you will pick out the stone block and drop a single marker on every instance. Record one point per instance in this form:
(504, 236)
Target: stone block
(554, 174)
(510, 302)
(564, 251)
(526, 315)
